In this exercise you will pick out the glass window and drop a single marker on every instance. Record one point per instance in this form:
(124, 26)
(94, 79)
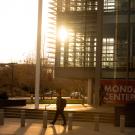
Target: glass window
(109, 5)
(107, 52)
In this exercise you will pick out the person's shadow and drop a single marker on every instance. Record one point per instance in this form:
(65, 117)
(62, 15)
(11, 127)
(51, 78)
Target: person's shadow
(22, 130)
(43, 131)
(55, 131)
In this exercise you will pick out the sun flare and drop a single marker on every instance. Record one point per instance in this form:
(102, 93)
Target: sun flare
(63, 34)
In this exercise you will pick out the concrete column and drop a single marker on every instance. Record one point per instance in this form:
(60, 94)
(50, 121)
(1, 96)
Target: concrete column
(98, 51)
(89, 100)
(131, 46)
(1, 116)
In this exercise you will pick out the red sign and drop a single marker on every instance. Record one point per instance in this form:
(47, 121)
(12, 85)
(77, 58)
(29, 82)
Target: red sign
(118, 91)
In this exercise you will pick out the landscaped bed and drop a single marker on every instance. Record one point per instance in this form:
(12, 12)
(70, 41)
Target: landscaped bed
(53, 101)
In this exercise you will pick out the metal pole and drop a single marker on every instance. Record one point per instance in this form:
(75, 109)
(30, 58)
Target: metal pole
(22, 118)
(44, 119)
(122, 123)
(37, 74)
(96, 127)
(70, 115)
(89, 100)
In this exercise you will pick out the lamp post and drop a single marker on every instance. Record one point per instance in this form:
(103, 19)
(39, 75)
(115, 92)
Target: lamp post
(37, 74)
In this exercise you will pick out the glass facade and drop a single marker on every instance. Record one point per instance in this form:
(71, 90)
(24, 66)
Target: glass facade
(49, 25)
(79, 49)
(120, 28)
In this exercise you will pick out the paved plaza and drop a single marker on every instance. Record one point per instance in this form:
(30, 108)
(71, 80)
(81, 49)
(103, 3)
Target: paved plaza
(12, 126)
(35, 127)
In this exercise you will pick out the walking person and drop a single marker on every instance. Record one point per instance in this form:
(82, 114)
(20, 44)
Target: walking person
(101, 95)
(60, 105)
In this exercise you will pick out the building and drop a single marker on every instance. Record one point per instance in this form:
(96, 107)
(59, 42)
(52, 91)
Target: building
(95, 40)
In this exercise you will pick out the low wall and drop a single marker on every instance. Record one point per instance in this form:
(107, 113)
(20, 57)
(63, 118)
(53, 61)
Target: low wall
(18, 102)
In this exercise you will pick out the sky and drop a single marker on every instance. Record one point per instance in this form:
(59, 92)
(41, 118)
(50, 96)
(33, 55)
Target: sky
(18, 26)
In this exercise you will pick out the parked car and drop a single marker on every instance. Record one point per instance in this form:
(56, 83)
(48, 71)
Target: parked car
(76, 95)
(50, 94)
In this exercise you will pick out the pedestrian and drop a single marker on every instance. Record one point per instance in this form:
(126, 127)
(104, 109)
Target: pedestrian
(101, 95)
(60, 105)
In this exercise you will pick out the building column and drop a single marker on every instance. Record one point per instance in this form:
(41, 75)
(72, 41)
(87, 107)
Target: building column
(131, 46)
(98, 51)
(90, 86)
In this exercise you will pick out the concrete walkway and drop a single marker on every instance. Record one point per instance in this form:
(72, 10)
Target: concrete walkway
(69, 107)
(34, 127)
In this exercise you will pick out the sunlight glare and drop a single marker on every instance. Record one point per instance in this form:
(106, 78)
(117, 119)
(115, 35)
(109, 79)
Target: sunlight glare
(63, 34)
(18, 28)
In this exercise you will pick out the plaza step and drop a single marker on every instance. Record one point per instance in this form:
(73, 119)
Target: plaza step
(82, 116)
